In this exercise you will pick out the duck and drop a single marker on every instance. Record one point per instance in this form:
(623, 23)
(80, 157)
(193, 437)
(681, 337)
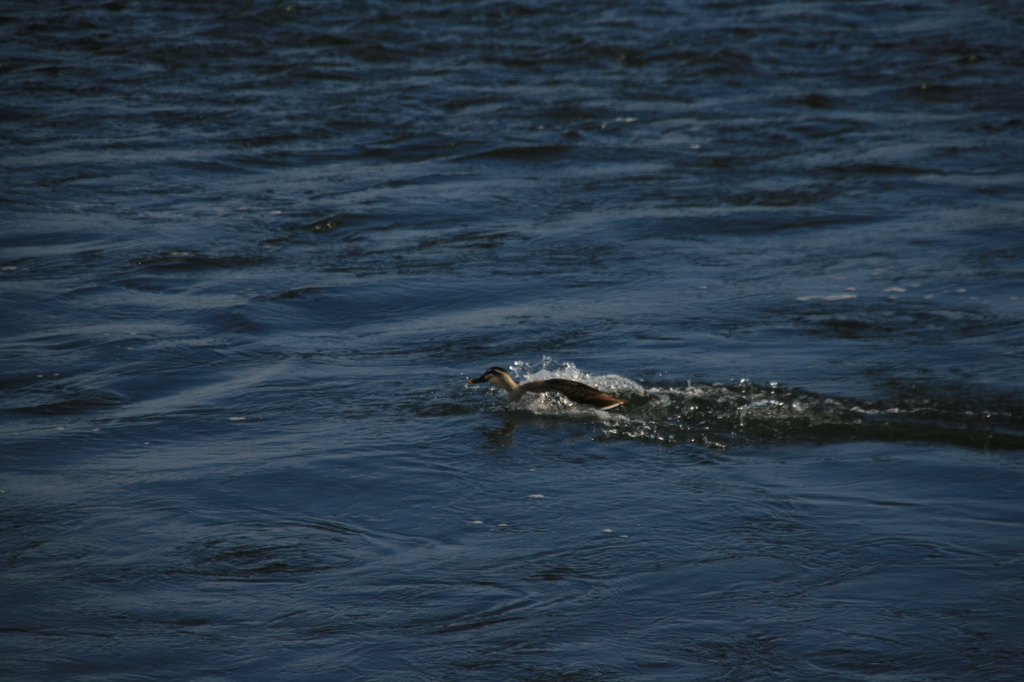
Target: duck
(573, 390)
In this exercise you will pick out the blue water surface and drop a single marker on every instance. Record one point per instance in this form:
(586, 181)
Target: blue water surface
(250, 253)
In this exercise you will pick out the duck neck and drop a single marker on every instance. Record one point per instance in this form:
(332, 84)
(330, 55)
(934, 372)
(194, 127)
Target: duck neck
(507, 383)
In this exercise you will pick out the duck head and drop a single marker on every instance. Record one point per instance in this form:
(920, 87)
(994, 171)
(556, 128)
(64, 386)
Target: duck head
(495, 375)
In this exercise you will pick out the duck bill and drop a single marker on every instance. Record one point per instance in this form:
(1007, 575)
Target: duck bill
(478, 380)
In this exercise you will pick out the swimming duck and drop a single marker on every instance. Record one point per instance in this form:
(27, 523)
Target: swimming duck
(573, 390)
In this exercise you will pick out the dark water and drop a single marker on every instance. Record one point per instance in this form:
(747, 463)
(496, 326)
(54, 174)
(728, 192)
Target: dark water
(251, 252)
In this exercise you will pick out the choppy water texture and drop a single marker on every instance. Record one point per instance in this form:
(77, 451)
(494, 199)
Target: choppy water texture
(251, 252)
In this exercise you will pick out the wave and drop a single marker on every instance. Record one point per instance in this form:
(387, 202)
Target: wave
(720, 416)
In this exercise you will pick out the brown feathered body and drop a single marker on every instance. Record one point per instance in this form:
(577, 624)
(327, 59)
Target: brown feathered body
(573, 390)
